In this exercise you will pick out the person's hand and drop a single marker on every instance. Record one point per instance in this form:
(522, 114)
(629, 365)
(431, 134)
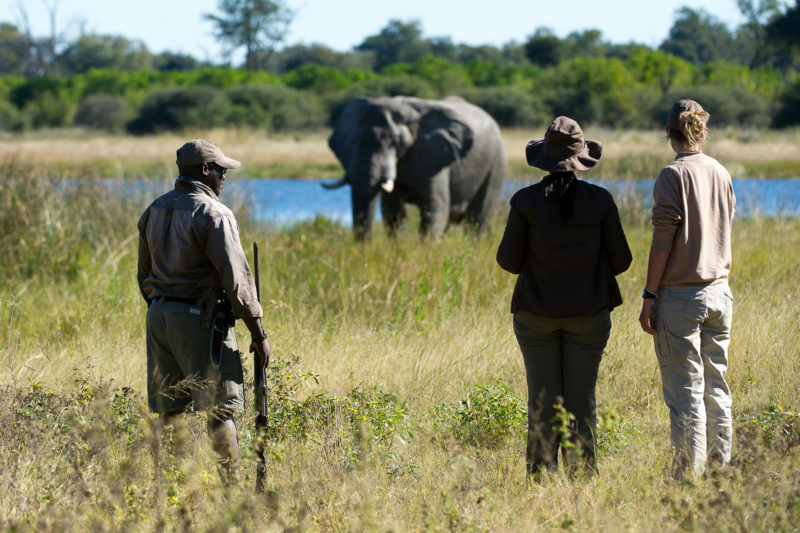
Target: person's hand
(262, 349)
(647, 318)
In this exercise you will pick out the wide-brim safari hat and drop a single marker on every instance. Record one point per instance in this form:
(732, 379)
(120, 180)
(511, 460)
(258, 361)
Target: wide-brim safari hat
(563, 148)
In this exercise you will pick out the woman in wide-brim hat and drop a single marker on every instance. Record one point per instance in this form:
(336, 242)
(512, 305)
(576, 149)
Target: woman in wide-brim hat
(565, 240)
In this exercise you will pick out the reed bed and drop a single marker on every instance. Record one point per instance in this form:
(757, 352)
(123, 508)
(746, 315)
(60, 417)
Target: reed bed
(397, 390)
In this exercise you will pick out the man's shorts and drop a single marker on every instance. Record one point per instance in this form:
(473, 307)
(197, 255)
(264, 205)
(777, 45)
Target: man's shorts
(181, 374)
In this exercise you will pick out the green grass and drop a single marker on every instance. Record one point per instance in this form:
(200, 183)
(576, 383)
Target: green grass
(396, 387)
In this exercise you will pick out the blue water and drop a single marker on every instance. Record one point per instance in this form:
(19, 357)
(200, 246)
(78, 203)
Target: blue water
(284, 201)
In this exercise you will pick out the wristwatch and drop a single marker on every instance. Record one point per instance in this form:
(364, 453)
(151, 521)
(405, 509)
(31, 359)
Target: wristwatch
(647, 294)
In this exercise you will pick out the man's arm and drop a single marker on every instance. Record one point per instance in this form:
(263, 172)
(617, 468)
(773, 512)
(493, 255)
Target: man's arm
(258, 339)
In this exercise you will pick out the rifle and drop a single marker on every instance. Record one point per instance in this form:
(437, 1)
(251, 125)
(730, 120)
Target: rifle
(260, 386)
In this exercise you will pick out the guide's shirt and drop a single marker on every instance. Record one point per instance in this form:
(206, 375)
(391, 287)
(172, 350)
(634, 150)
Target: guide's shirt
(692, 219)
(188, 241)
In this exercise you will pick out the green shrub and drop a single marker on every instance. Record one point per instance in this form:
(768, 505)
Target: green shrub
(510, 106)
(486, 417)
(174, 109)
(103, 112)
(788, 113)
(402, 85)
(11, 119)
(777, 426)
(317, 78)
(729, 106)
(275, 107)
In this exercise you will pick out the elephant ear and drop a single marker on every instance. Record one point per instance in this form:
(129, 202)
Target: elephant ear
(443, 138)
(346, 135)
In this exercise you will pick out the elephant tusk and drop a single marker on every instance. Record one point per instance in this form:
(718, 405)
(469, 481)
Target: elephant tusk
(341, 183)
(388, 186)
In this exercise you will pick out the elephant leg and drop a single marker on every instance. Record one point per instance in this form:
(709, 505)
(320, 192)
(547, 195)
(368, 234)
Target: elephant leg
(394, 212)
(484, 202)
(434, 205)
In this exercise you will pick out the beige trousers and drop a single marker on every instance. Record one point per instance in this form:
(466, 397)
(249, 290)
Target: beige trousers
(693, 330)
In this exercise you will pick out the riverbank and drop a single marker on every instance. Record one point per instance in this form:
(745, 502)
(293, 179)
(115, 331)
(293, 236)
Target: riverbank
(626, 154)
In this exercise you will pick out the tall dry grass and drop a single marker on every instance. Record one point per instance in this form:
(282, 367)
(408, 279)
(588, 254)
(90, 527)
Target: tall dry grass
(626, 154)
(396, 388)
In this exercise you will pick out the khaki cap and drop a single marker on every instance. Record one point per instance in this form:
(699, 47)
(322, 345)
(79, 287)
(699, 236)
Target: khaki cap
(200, 151)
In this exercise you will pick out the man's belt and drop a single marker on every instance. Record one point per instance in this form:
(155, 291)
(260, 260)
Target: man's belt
(188, 301)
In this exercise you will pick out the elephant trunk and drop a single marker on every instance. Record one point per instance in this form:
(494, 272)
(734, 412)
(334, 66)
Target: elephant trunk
(364, 204)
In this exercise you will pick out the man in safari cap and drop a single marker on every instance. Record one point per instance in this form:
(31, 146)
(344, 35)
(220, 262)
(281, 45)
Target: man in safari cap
(194, 276)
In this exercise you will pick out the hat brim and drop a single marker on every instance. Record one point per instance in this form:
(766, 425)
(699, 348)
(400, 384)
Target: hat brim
(227, 162)
(536, 156)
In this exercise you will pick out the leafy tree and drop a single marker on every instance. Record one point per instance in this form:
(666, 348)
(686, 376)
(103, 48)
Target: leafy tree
(173, 109)
(700, 38)
(595, 90)
(446, 77)
(14, 50)
(171, 61)
(294, 57)
(789, 107)
(275, 107)
(104, 51)
(398, 42)
(753, 33)
(588, 43)
(256, 25)
(544, 49)
(784, 32)
(661, 70)
(318, 78)
(510, 106)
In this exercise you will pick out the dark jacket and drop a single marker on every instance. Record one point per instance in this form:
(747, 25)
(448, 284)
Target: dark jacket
(566, 267)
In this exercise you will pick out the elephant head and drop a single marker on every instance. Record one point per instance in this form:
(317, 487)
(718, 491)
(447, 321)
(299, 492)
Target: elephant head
(372, 136)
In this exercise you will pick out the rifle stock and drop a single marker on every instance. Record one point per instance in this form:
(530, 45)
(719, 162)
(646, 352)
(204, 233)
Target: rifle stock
(260, 386)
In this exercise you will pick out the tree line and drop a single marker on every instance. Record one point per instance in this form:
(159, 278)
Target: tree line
(745, 77)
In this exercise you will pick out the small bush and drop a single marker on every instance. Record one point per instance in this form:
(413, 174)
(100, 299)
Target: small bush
(11, 119)
(777, 425)
(510, 106)
(402, 85)
(486, 417)
(788, 113)
(175, 109)
(103, 112)
(366, 414)
(275, 107)
(729, 106)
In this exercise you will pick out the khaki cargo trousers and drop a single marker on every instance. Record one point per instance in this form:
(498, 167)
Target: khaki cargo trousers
(693, 331)
(181, 374)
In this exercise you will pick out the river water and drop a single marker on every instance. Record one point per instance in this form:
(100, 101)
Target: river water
(286, 201)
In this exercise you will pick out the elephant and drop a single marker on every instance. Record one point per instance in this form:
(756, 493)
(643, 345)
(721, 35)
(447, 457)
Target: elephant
(445, 156)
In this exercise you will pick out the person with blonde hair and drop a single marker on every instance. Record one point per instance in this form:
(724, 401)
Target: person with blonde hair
(687, 304)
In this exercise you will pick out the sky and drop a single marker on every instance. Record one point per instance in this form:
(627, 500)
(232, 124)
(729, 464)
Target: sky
(178, 25)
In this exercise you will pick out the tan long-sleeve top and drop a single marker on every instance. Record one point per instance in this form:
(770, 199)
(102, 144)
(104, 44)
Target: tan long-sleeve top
(189, 240)
(692, 218)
